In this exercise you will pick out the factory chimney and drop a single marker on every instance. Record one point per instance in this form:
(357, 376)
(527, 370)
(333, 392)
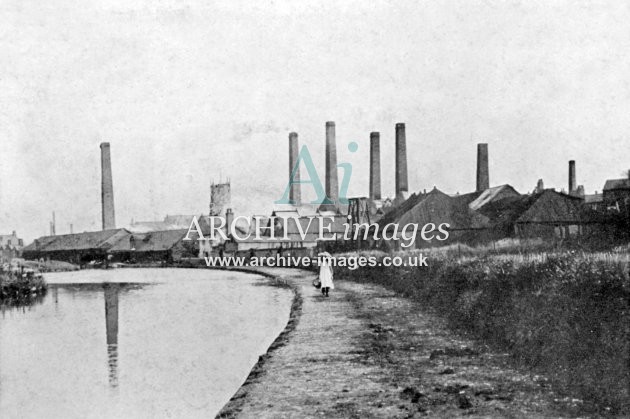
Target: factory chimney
(332, 184)
(483, 175)
(229, 219)
(375, 166)
(107, 189)
(572, 181)
(402, 186)
(294, 193)
(53, 225)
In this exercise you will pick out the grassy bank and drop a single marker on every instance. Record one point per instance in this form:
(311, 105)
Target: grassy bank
(17, 290)
(567, 315)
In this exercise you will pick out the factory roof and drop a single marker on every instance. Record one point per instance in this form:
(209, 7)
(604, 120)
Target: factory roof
(543, 207)
(594, 198)
(437, 208)
(492, 194)
(81, 241)
(398, 211)
(39, 243)
(617, 184)
(149, 242)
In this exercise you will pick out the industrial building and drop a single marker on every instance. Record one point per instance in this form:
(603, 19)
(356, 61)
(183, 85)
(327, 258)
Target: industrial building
(155, 246)
(117, 245)
(493, 213)
(80, 248)
(486, 214)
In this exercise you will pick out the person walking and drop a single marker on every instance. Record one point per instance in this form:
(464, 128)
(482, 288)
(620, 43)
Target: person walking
(325, 272)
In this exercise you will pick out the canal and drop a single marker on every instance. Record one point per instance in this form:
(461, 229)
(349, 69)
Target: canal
(136, 343)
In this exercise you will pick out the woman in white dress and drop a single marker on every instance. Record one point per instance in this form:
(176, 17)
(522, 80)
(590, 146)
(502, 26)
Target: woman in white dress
(325, 272)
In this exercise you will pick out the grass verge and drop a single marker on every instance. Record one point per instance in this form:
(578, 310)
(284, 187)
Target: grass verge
(565, 315)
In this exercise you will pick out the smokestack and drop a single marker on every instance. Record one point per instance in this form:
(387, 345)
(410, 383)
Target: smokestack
(107, 189)
(572, 182)
(580, 191)
(483, 175)
(402, 186)
(229, 218)
(294, 193)
(375, 166)
(332, 185)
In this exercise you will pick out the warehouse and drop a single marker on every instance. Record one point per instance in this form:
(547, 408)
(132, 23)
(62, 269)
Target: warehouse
(78, 248)
(546, 214)
(156, 246)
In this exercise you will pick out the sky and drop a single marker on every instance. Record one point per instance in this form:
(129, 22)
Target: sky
(190, 92)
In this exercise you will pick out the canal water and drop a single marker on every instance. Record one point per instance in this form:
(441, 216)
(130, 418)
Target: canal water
(136, 343)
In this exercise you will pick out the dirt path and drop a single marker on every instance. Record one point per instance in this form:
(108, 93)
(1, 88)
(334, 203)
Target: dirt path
(364, 352)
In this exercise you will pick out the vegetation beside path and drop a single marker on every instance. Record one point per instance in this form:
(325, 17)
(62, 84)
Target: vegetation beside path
(368, 352)
(564, 315)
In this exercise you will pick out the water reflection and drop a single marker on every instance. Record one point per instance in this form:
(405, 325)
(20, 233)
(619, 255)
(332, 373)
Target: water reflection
(22, 302)
(179, 356)
(111, 326)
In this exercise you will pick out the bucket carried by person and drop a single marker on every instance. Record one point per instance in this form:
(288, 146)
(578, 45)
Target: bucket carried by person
(317, 284)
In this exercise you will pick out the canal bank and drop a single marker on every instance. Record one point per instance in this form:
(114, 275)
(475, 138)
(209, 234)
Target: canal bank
(367, 352)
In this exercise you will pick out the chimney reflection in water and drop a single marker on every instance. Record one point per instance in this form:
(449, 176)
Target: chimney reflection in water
(111, 324)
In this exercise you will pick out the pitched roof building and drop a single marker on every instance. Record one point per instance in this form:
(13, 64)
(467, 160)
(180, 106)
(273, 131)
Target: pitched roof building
(76, 248)
(544, 214)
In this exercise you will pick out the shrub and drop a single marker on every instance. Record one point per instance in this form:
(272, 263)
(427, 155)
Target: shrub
(567, 314)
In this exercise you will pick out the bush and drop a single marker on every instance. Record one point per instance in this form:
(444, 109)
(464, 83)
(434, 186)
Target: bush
(567, 314)
(15, 290)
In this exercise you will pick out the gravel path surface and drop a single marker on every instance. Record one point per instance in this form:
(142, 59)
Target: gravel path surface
(365, 352)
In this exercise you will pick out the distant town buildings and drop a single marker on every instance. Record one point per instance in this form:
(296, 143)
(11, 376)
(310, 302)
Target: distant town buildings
(10, 246)
(488, 213)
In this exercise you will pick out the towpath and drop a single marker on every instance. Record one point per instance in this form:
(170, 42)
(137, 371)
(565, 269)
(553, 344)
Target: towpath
(365, 352)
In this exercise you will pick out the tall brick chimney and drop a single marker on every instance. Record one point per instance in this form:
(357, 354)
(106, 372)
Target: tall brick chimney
(402, 187)
(332, 184)
(229, 218)
(483, 175)
(107, 189)
(375, 166)
(294, 193)
(572, 181)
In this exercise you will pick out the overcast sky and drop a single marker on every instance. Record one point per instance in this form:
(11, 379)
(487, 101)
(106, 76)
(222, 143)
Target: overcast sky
(188, 92)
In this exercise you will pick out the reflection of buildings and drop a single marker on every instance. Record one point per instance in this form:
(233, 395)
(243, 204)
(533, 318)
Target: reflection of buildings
(111, 325)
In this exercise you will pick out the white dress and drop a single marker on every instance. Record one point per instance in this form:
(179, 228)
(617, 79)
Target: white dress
(326, 271)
